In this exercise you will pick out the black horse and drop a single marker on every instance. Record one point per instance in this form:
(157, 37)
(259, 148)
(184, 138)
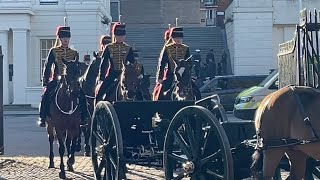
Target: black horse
(88, 82)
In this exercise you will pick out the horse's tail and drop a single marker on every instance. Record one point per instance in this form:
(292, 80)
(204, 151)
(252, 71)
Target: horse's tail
(257, 164)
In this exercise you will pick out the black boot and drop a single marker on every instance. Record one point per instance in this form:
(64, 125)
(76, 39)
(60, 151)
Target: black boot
(42, 119)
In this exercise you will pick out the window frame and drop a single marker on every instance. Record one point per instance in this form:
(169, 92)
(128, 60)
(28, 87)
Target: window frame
(43, 57)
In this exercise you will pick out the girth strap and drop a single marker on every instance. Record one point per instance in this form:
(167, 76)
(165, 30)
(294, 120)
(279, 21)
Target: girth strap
(304, 115)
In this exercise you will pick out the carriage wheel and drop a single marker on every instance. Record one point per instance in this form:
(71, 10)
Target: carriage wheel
(313, 169)
(197, 146)
(106, 143)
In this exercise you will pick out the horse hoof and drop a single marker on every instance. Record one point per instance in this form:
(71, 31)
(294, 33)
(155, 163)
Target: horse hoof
(87, 154)
(51, 165)
(70, 169)
(62, 175)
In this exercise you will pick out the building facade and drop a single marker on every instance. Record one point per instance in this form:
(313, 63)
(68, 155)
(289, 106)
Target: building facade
(256, 28)
(27, 33)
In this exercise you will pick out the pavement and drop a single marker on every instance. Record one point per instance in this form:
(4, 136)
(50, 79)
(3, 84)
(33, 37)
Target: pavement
(27, 149)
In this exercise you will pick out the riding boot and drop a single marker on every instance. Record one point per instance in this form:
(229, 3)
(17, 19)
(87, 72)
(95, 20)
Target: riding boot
(42, 119)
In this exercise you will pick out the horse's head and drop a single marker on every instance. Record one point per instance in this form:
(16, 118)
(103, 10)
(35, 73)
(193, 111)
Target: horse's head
(145, 82)
(183, 76)
(183, 71)
(73, 73)
(130, 81)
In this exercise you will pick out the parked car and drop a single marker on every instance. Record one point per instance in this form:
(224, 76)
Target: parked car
(249, 100)
(228, 87)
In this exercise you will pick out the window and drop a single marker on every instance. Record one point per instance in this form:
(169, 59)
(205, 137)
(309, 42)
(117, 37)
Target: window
(48, 2)
(210, 14)
(115, 11)
(45, 46)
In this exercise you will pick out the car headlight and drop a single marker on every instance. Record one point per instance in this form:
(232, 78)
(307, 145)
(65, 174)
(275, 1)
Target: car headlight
(245, 98)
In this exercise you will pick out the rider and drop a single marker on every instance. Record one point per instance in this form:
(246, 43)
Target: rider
(197, 61)
(172, 53)
(104, 41)
(114, 56)
(56, 54)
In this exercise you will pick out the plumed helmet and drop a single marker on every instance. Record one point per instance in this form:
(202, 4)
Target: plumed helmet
(119, 29)
(176, 32)
(63, 31)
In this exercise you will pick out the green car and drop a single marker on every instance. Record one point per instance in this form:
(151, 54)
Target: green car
(249, 100)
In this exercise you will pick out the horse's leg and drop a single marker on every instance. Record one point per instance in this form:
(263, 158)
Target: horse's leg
(271, 159)
(61, 139)
(68, 144)
(86, 140)
(297, 163)
(78, 140)
(50, 131)
(71, 158)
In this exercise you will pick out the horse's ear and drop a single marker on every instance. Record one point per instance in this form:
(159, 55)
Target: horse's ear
(95, 54)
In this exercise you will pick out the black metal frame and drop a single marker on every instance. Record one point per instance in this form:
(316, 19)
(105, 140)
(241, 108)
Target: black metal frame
(299, 57)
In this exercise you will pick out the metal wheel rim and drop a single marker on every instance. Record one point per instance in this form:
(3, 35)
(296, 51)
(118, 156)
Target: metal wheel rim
(110, 150)
(196, 161)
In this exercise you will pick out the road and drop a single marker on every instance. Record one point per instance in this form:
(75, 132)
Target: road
(24, 138)
(27, 149)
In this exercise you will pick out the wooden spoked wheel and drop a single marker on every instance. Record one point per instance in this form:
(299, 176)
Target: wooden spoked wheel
(106, 143)
(196, 146)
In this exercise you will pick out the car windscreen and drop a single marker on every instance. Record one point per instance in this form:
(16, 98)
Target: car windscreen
(266, 80)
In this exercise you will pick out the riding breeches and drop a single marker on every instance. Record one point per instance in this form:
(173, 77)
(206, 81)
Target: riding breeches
(45, 101)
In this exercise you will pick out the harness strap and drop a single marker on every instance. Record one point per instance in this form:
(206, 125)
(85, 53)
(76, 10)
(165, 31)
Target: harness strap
(304, 115)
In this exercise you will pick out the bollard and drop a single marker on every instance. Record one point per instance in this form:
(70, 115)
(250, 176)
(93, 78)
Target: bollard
(1, 104)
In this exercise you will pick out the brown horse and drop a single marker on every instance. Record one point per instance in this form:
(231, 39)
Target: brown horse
(64, 118)
(287, 123)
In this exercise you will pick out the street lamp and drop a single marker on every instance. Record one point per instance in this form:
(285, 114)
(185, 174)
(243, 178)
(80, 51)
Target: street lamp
(1, 104)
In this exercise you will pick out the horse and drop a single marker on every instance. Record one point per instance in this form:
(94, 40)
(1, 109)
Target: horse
(88, 82)
(64, 116)
(287, 122)
(134, 85)
(183, 87)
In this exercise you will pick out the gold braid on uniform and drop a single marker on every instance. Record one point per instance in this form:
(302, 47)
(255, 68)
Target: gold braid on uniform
(175, 53)
(118, 54)
(67, 53)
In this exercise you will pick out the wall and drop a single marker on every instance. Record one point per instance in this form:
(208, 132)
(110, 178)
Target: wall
(250, 36)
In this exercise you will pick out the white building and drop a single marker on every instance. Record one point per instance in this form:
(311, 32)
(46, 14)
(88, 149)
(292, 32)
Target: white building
(256, 28)
(27, 32)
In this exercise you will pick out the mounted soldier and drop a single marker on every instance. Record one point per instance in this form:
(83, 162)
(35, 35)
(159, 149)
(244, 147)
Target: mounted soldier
(104, 41)
(169, 57)
(114, 56)
(138, 66)
(59, 52)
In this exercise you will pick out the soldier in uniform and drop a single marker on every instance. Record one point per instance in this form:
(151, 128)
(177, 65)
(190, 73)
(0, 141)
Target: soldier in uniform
(55, 57)
(172, 52)
(104, 41)
(114, 56)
